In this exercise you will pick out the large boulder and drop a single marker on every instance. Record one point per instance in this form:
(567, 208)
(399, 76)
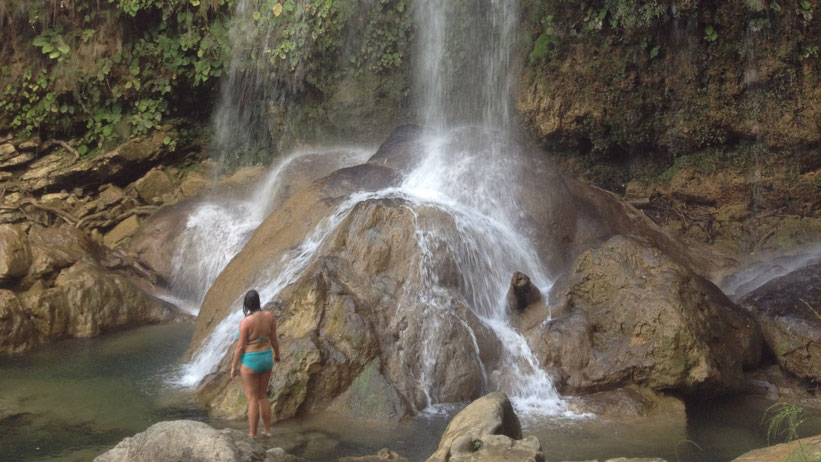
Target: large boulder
(187, 440)
(628, 313)
(351, 330)
(789, 311)
(15, 255)
(487, 430)
(59, 247)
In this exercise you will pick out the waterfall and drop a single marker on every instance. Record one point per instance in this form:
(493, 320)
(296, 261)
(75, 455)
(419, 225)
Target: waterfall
(468, 170)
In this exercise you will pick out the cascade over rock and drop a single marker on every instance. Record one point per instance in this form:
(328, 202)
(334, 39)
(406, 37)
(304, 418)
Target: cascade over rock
(628, 313)
(789, 311)
(354, 308)
(284, 229)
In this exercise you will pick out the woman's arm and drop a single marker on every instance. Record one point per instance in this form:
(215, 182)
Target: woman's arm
(274, 339)
(240, 349)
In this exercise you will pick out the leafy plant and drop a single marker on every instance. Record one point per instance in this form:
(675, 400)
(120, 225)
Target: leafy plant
(51, 43)
(807, 51)
(805, 11)
(710, 33)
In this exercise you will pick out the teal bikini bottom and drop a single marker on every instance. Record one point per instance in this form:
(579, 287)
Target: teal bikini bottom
(259, 361)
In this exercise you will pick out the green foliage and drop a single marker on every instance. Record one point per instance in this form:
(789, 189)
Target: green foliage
(807, 51)
(51, 43)
(783, 419)
(89, 86)
(710, 34)
(544, 41)
(805, 11)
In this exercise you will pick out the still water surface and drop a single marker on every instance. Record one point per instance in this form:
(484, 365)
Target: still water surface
(78, 398)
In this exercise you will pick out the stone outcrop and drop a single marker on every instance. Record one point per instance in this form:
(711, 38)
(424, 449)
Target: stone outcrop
(189, 440)
(487, 430)
(789, 311)
(71, 287)
(627, 313)
(805, 449)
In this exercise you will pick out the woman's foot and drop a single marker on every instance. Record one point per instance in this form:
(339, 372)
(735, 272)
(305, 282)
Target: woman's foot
(266, 434)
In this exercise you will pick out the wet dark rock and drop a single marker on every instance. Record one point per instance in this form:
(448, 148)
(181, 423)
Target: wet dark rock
(627, 313)
(789, 311)
(402, 149)
(522, 293)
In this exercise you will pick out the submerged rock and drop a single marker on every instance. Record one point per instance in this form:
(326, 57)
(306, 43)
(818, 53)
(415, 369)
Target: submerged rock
(487, 430)
(627, 313)
(630, 401)
(188, 440)
(789, 311)
(384, 455)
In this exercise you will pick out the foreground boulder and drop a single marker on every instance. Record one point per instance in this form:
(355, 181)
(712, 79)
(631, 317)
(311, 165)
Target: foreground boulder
(805, 449)
(627, 313)
(789, 311)
(188, 440)
(487, 430)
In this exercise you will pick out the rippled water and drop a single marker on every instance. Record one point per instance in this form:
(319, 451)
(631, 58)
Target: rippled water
(80, 397)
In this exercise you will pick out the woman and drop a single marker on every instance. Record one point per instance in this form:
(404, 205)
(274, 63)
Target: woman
(257, 336)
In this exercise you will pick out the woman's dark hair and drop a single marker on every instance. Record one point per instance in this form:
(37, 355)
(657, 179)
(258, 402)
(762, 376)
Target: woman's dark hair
(251, 302)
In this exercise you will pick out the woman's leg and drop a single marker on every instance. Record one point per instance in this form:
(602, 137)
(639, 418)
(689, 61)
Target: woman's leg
(250, 383)
(262, 400)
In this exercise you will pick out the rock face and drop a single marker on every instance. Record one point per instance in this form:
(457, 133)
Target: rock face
(805, 449)
(187, 440)
(627, 313)
(487, 430)
(127, 161)
(789, 311)
(71, 288)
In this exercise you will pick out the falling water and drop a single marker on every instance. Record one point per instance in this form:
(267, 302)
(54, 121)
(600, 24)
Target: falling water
(468, 171)
(217, 229)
